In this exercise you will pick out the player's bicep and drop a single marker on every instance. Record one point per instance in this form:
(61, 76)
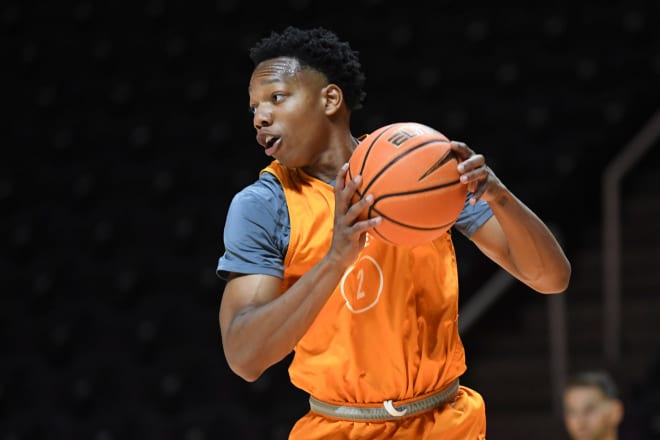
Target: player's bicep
(243, 293)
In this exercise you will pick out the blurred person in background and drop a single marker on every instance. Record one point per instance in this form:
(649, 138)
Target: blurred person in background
(593, 409)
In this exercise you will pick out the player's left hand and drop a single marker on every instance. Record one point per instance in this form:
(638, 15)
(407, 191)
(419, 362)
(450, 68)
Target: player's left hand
(479, 178)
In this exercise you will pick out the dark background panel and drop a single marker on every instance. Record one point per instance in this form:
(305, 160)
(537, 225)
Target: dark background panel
(126, 134)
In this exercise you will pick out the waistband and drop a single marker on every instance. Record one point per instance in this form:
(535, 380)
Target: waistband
(389, 410)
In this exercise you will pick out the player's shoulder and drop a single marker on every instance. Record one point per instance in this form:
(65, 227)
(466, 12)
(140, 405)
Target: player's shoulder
(263, 192)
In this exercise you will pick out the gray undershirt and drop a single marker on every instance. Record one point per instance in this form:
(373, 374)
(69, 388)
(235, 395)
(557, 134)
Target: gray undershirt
(257, 227)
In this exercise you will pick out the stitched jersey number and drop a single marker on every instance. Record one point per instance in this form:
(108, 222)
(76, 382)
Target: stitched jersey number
(360, 292)
(365, 274)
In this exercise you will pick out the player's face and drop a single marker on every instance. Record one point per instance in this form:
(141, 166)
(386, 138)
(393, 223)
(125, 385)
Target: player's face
(589, 415)
(287, 103)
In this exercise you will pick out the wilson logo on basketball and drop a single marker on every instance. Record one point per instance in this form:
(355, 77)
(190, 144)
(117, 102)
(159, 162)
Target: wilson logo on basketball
(400, 137)
(411, 172)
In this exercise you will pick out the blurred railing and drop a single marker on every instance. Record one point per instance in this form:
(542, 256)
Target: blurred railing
(495, 287)
(611, 184)
(490, 292)
(483, 298)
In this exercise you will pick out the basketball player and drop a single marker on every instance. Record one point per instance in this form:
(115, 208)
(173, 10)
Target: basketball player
(592, 408)
(373, 326)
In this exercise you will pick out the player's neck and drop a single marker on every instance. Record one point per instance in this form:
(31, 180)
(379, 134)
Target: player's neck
(332, 159)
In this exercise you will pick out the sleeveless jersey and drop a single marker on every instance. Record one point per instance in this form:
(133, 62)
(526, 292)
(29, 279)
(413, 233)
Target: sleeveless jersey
(389, 330)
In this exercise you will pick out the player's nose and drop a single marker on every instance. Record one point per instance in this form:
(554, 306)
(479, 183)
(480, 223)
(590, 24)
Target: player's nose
(263, 117)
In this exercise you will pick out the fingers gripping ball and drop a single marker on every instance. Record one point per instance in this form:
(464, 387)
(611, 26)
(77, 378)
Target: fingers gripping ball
(411, 171)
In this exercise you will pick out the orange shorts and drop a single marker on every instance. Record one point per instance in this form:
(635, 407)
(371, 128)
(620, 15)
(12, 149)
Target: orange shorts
(464, 418)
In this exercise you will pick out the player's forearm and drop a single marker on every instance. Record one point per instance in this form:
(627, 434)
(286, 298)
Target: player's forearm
(533, 249)
(262, 335)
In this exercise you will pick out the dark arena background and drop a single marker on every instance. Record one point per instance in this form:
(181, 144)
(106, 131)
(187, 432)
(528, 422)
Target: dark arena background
(126, 133)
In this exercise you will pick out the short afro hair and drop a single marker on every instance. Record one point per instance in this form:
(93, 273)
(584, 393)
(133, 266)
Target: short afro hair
(600, 379)
(321, 50)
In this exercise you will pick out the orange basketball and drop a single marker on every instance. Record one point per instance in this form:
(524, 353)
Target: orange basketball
(411, 171)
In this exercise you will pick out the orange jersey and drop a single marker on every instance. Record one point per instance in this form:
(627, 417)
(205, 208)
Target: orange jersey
(389, 330)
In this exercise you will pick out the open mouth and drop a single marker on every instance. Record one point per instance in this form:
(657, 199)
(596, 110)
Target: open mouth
(271, 144)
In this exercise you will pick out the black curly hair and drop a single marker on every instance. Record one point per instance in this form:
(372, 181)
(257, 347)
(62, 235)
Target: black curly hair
(600, 379)
(321, 50)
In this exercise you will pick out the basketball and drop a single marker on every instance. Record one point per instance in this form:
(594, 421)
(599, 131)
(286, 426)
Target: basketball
(411, 171)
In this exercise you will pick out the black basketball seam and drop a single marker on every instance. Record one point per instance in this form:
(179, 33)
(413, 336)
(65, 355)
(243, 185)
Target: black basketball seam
(373, 208)
(419, 190)
(397, 158)
(366, 155)
(373, 141)
(449, 155)
(375, 231)
(406, 225)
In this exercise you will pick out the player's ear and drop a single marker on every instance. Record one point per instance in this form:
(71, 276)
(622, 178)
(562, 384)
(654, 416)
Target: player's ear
(333, 97)
(617, 411)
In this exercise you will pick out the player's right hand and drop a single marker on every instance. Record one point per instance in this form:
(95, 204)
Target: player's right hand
(349, 235)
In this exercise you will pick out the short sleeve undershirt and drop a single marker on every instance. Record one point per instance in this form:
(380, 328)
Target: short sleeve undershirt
(256, 234)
